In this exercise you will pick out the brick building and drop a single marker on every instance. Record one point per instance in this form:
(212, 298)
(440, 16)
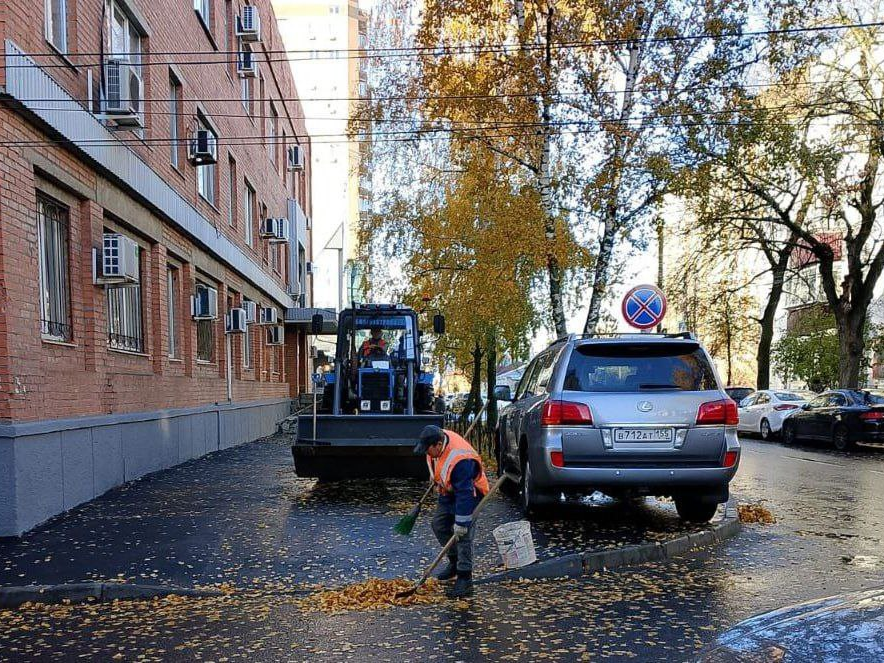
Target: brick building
(113, 218)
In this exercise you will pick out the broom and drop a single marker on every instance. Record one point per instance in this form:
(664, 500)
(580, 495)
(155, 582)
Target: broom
(406, 523)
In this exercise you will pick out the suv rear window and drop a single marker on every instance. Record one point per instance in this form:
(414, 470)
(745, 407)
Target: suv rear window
(639, 367)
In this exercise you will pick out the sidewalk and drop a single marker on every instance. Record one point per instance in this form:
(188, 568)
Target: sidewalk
(240, 516)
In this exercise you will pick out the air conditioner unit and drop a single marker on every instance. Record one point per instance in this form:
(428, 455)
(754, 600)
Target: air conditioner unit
(124, 93)
(248, 24)
(236, 321)
(251, 309)
(246, 64)
(308, 268)
(204, 303)
(295, 157)
(269, 315)
(275, 335)
(203, 148)
(119, 259)
(276, 230)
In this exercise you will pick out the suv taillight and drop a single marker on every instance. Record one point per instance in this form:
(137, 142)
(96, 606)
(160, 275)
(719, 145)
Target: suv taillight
(565, 413)
(723, 412)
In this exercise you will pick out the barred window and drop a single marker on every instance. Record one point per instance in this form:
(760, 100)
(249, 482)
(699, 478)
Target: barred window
(125, 330)
(247, 344)
(172, 299)
(55, 300)
(205, 340)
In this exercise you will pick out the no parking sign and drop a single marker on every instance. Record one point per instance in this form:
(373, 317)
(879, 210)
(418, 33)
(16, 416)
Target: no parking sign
(644, 306)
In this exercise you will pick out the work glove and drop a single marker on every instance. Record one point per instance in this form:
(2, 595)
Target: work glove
(461, 531)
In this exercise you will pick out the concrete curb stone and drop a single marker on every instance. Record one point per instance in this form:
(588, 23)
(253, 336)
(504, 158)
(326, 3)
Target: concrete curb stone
(97, 592)
(579, 564)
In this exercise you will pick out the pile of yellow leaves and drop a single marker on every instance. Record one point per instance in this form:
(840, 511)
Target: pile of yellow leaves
(372, 594)
(755, 513)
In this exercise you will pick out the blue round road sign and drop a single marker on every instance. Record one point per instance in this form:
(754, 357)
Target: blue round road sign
(644, 306)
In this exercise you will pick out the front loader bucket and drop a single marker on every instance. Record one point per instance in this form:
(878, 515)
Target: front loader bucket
(365, 446)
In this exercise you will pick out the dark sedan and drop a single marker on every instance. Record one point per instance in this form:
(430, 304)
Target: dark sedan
(842, 417)
(844, 628)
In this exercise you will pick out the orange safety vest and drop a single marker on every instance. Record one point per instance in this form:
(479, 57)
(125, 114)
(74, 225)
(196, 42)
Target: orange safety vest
(456, 450)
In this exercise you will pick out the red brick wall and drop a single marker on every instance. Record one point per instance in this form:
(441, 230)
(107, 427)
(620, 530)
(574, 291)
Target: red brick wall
(45, 380)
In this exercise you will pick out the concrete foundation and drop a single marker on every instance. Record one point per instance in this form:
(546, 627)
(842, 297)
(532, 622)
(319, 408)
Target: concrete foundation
(50, 466)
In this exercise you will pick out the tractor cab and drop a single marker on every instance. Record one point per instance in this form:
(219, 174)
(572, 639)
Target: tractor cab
(378, 363)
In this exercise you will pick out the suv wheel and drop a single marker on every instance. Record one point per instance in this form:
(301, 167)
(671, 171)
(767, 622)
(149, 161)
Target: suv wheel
(529, 499)
(764, 429)
(841, 438)
(695, 509)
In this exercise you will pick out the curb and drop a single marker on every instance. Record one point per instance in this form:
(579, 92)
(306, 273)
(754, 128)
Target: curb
(97, 592)
(579, 564)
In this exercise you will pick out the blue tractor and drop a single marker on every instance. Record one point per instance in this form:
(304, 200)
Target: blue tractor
(375, 402)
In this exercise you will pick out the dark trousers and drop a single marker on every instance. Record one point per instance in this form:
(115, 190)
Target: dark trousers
(461, 554)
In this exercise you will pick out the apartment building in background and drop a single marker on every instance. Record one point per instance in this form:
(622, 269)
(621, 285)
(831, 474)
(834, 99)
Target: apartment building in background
(325, 40)
(155, 197)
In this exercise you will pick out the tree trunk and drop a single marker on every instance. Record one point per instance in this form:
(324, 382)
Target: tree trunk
(473, 403)
(491, 379)
(553, 268)
(852, 347)
(600, 274)
(765, 336)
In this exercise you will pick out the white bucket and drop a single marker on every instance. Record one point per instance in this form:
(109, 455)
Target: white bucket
(515, 544)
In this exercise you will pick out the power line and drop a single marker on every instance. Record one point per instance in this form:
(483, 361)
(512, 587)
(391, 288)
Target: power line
(456, 97)
(495, 47)
(821, 104)
(413, 135)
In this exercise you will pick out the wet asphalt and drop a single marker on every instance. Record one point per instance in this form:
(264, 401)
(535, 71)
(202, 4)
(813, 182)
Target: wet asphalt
(240, 517)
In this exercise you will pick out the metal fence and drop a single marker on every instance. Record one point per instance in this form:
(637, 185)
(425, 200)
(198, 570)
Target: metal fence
(481, 437)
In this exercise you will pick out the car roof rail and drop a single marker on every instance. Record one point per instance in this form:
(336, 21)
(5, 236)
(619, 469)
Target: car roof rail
(687, 335)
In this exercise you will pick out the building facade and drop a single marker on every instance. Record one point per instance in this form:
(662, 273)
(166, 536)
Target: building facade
(143, 147)
(325, 40)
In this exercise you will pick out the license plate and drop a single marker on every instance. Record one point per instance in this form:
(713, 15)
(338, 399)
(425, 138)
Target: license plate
(643, 435)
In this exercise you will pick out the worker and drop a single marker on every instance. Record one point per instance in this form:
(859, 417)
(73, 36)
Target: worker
(457, 471)
(374, 344)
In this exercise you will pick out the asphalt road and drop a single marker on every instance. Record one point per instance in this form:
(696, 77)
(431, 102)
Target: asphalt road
(827, 540)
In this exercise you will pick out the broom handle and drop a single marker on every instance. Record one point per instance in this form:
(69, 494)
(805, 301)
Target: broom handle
(426, 492)
(453, 538)
(476, 420)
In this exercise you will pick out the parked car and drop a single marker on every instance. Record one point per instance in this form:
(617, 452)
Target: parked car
(627, 414)
(764, 411)
(841, 416)
(843, 628)
(737, 394)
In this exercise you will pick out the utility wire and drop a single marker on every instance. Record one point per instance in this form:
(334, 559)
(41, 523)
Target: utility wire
(496, 95)
(412, 135)
(821, 104)
(494, 47)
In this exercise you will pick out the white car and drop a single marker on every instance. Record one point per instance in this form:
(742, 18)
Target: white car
(764, 411)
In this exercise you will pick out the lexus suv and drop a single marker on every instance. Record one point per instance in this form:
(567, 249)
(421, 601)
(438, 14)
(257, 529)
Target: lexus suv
(625, 414)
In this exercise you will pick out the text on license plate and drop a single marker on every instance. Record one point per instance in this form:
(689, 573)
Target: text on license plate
(643, 435)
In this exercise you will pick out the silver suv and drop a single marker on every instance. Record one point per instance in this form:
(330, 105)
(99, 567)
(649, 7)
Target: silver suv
(625, 414)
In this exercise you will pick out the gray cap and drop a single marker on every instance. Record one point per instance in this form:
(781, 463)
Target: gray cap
(430, 435)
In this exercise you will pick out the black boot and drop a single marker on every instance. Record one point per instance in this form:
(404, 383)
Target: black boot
(463, 586)
(447, 572)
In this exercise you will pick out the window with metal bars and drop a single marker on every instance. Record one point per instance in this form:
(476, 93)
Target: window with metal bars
(247, 345)
(55, 295)
(125, 329)
(205, 340)
(172, 299)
